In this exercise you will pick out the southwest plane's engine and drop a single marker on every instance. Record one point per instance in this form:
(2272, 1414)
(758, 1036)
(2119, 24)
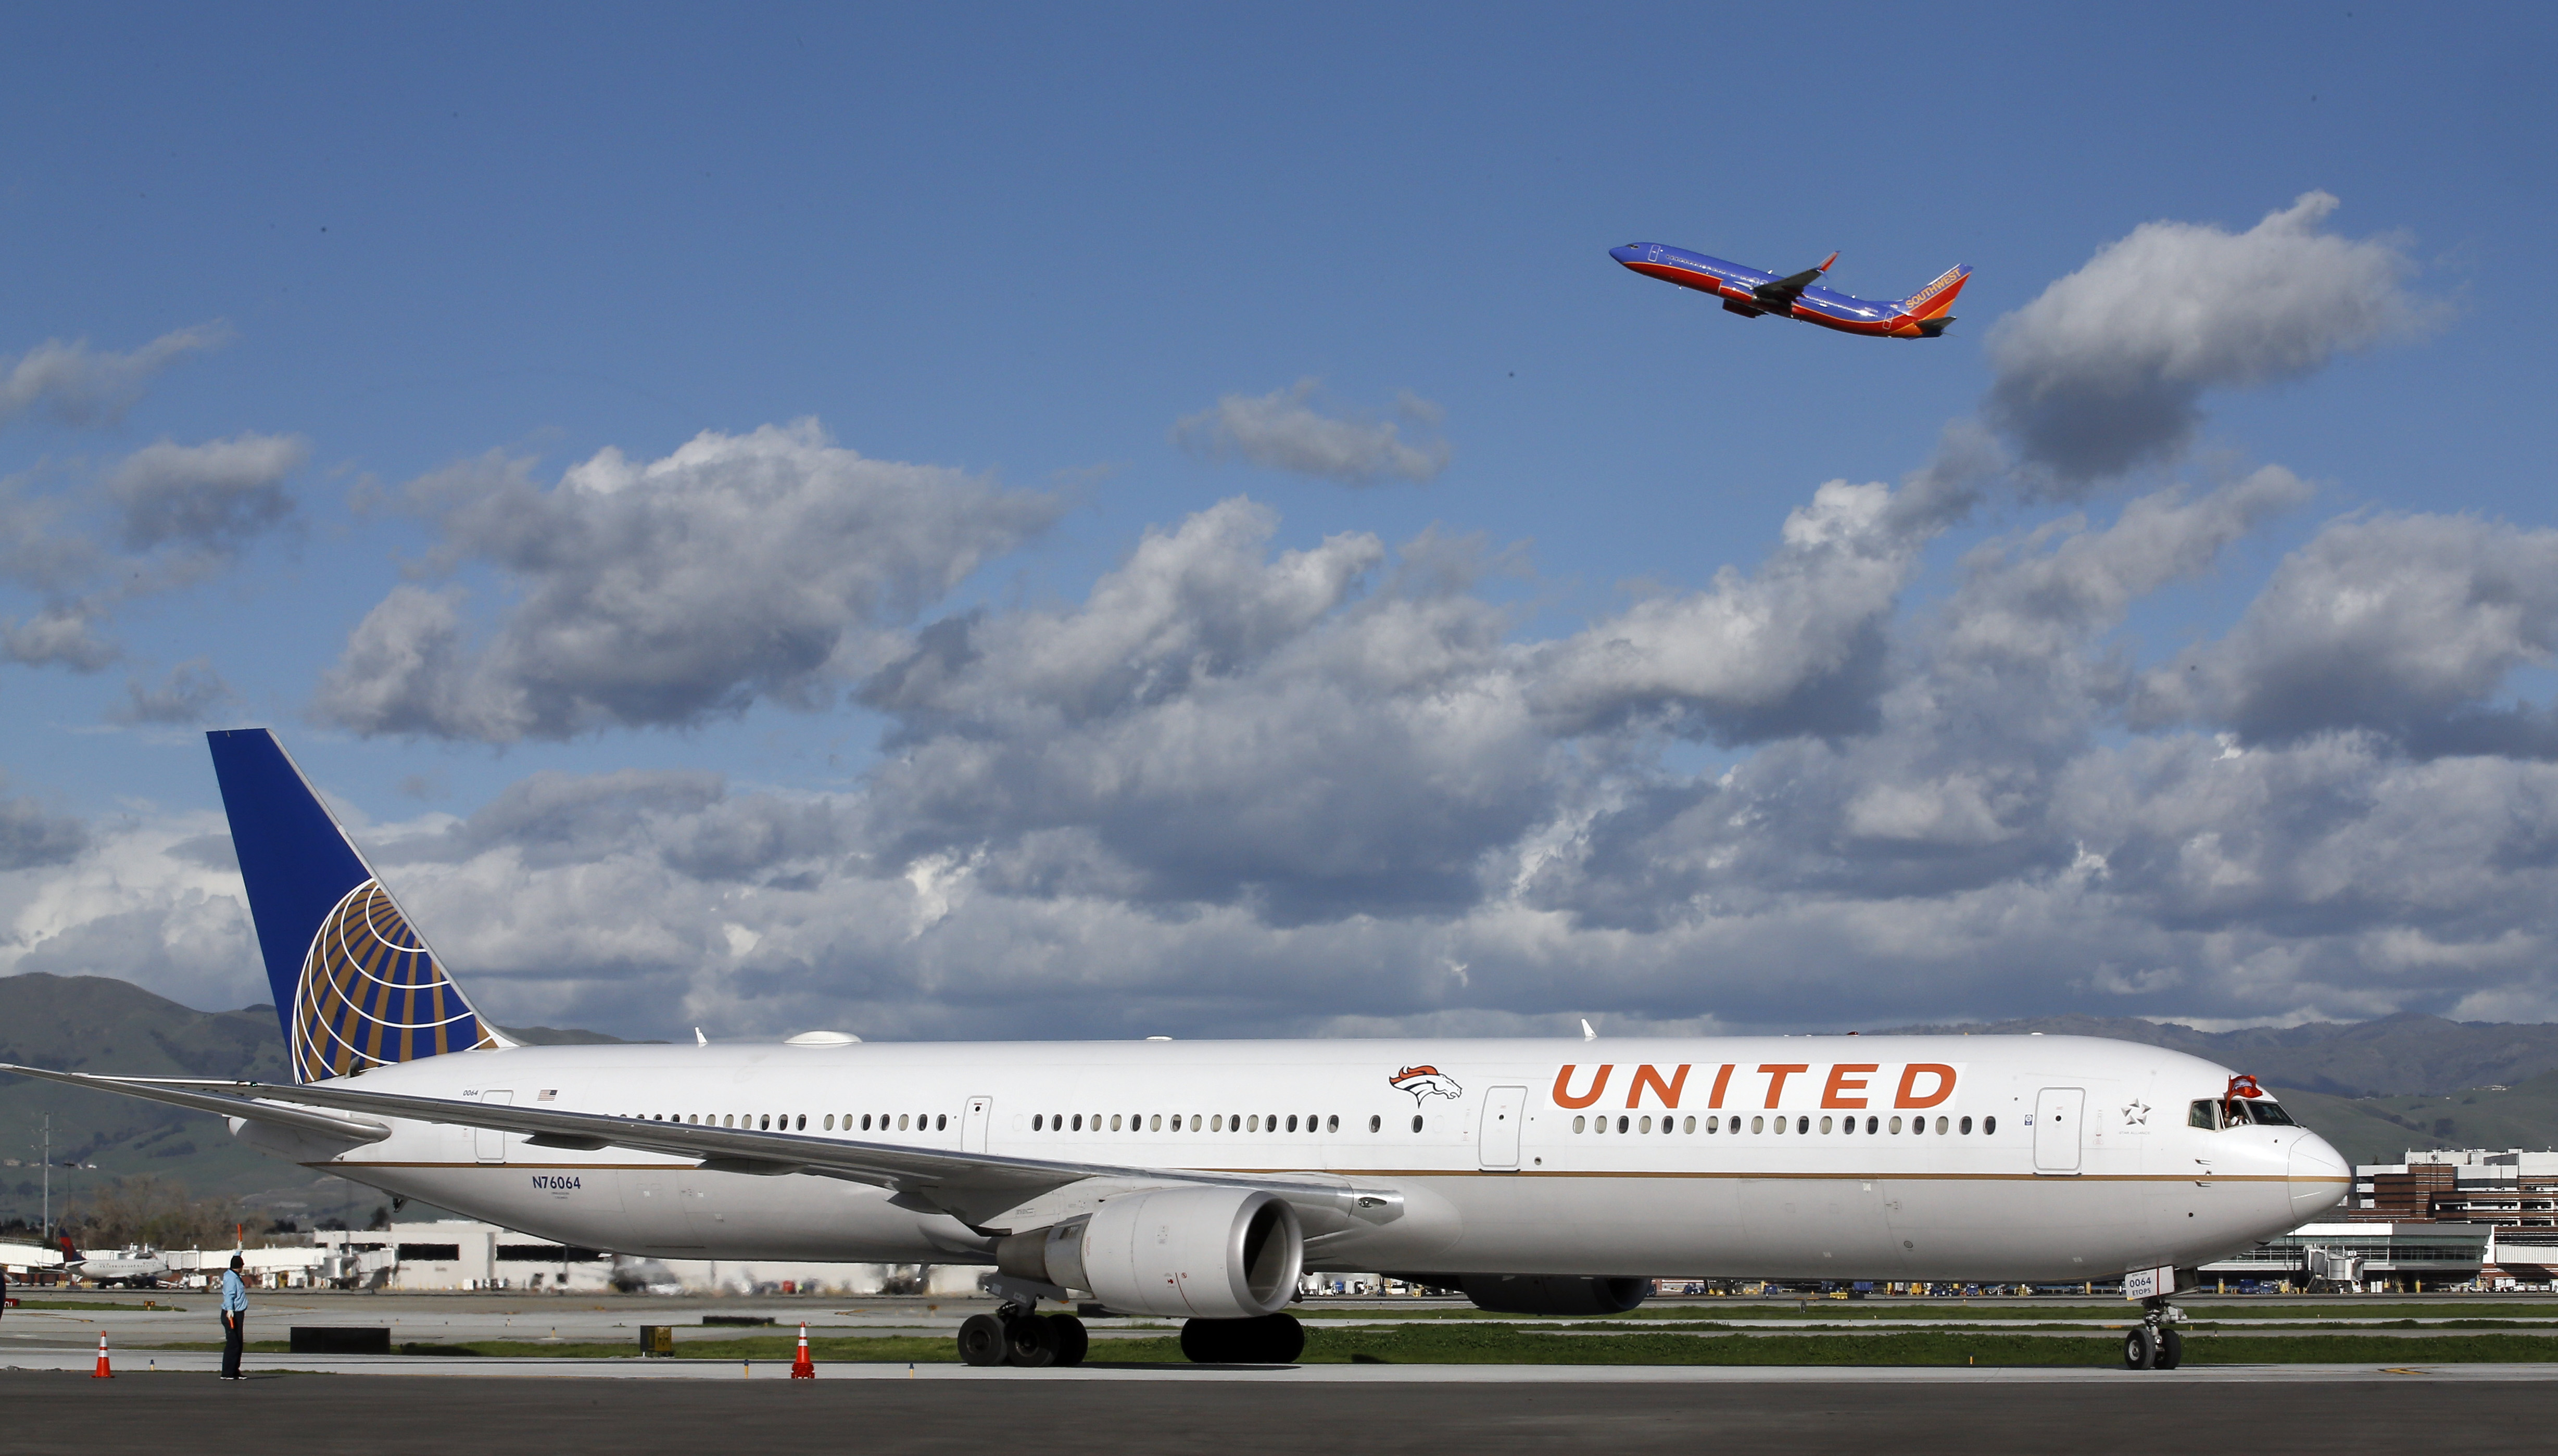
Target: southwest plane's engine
(1171, 1253)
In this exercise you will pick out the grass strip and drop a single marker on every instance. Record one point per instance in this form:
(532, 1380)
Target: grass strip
(1505, 1344)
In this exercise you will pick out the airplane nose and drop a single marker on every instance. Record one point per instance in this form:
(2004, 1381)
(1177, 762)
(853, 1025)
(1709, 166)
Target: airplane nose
(2317, 1177)
(1626, 254)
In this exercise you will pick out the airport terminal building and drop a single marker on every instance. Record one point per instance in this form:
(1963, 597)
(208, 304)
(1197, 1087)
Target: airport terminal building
(2446, 1218)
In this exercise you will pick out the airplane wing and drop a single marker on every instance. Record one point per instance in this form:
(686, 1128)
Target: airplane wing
(972, 1187)
(301, 1119)
(1778, 296)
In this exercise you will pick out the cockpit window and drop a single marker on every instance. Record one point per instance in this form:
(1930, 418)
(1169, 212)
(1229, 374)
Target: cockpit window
(2238, 1111)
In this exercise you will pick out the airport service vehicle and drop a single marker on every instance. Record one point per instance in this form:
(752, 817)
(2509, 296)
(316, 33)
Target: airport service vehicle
(1200, 1180)
(1751, 293)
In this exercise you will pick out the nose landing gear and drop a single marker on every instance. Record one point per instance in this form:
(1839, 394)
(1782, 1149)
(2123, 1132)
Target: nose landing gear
(2155, 1343)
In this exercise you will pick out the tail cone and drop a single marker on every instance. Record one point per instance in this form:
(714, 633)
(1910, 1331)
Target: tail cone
(104, 1371)
(800, 1367)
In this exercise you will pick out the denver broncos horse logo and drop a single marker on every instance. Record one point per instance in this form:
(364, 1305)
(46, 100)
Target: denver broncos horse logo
(1425, 1081)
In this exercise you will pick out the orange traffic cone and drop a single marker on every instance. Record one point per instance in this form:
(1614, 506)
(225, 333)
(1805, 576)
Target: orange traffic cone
(103, 1372)
(800, 1367)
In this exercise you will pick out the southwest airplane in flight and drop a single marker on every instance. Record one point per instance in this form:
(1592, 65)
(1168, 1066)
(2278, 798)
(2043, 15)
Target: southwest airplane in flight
(1200, 1180)
(1751, 293)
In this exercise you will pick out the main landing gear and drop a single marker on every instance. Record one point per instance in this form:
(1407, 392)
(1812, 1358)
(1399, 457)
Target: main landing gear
(1015, 1335)
(2154, 1343)
(1272, 1339)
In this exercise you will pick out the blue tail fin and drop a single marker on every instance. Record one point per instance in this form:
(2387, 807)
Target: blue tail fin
(356, 985)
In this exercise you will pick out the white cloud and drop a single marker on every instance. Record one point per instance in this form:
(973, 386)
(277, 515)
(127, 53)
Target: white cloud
(767, 566)
(1239, 790)
(2105, 369)
(77, 385)
(1283, 431)
(2405, 626)
(179, 513)
(212, 496)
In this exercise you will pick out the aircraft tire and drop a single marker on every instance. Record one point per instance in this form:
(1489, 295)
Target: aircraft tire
(1073, 1340)
(982, 1340)
(1278, 1340)
(2139, 1351)
(1030, 1342)
(2171, 1350)
(1208, 1341)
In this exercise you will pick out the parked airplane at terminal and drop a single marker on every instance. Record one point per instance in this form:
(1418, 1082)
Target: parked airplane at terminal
(134, 1269)
(1751, 293)
(1198, 1180)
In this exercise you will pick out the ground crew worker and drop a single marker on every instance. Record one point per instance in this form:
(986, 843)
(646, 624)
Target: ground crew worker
(234, 1319)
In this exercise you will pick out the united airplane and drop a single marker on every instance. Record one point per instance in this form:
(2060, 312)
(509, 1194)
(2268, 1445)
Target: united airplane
(1751, 293)
(1200, 1180)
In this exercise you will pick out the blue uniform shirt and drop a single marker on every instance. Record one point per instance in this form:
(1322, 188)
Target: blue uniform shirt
(234, 1293)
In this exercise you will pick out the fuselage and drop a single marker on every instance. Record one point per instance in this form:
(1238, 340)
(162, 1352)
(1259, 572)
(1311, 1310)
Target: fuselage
(1738, 284)
(1963, 1157)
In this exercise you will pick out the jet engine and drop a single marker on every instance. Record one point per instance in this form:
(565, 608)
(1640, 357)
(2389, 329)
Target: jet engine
(1548, 1293)
(1171, 1252)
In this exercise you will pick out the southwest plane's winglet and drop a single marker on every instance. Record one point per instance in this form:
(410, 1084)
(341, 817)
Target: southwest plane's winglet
(356, 985)
(1826, 262)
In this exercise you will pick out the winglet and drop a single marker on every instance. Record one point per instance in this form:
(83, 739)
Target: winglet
(1826, 262)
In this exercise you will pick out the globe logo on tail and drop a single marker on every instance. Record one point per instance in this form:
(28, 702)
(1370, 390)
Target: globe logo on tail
(1426, 1081)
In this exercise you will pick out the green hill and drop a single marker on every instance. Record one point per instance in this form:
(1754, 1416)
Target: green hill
(96, 1023)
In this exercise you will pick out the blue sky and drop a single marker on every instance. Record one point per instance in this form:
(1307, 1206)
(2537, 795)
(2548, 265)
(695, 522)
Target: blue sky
(1020, 244)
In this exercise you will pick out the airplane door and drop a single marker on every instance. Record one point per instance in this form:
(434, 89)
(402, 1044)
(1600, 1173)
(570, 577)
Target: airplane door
(972, 1127)
(490, 1143)
(1504, 1107)
(2058, 1111)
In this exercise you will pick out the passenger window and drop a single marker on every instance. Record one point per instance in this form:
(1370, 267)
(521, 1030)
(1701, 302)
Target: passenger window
(1114, 1122)
(1646, 1126)
(1577, 1123)
(1691, 1124)
(1715, 1124)
(800, 1123)
(1079, 1123)
(1967, 1127)
(1035, 1122)
(1988, 1126)
(1825, 1124)
(1156, 1123)
(1256, 1124)
(1940, 1126)
(1802, 1125)
(1416, 1122)
(1755, 1123)
(1333, 1125)
(1374, 1123)
(1893, 1124)
(941, 1123)
(900, 1121)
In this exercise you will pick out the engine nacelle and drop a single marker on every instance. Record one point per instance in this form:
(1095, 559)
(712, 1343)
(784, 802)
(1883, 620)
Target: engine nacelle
(1171, 1252)
(1551, 1294)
